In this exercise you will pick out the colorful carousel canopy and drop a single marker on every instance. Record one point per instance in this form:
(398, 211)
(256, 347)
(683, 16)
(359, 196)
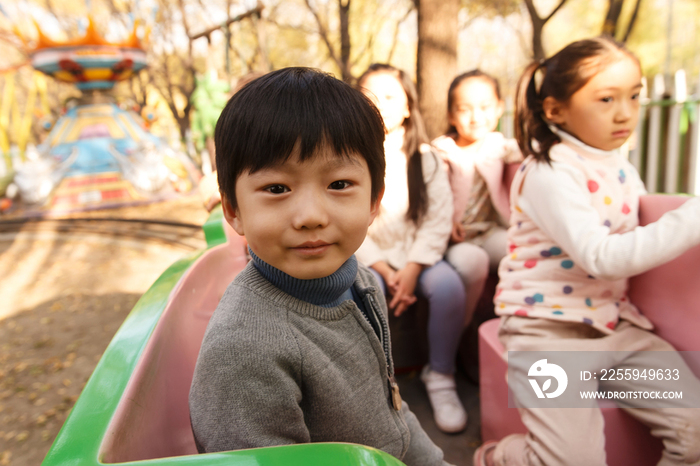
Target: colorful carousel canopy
(89, 62)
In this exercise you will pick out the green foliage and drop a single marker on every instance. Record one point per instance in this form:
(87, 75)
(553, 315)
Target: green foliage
(208, 99)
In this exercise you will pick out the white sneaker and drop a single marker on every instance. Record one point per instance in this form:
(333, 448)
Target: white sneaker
(448, 411)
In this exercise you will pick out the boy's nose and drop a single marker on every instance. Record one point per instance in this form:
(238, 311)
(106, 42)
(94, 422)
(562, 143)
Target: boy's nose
(310, 212)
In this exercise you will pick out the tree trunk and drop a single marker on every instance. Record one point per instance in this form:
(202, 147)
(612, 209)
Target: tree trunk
(436, 64)
(610, 25)
(344, 13)
(633, 19)
(537, 46)
(538, 23)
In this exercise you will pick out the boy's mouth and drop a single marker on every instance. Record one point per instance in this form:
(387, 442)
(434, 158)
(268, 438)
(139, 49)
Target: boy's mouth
(623, 133)
(312, 247)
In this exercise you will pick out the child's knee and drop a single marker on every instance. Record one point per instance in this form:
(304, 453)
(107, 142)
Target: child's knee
(443, 280)
(471, 262)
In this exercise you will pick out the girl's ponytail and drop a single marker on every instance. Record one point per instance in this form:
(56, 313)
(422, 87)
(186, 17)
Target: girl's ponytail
(529, 116)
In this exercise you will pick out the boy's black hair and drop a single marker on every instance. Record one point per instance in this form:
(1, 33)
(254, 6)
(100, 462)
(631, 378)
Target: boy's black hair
(296, 109)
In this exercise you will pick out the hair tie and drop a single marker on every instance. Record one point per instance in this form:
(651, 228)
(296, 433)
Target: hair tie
(542, 62)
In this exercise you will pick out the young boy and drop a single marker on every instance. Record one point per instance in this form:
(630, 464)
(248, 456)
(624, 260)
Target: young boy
(298, 349)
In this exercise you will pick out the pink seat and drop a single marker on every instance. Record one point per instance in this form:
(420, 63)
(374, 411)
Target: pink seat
(152, 419)
(668, 295)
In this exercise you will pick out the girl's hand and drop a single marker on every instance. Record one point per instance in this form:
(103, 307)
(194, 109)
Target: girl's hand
(385, 270)
(458, 233)
(403, 285)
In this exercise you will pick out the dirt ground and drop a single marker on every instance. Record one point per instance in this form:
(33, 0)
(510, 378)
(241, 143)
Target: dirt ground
(63, 298)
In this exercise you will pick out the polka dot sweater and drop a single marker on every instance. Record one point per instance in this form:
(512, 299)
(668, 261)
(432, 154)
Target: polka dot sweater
(574, 238)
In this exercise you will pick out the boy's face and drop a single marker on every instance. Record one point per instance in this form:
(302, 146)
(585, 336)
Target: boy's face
(305, 218)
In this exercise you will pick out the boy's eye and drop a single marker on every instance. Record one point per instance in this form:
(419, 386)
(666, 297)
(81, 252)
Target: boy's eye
(341, 184)
(635, 96)
(606, 99)
(277, 189)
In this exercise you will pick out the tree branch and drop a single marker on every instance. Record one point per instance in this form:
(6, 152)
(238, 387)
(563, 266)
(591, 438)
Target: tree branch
(395, 39)
(323, 32)
(532, 10)
(257, 10)
(557, 8)
(633, 19)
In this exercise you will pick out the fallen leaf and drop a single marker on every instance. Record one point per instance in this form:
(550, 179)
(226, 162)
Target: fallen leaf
(57, 306)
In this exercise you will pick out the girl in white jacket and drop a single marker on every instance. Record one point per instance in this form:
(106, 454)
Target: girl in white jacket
(405, 244)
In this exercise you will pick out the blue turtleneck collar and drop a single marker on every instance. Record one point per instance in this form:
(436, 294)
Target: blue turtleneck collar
(327, 291)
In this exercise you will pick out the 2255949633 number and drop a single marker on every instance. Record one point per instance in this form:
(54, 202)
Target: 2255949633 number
(636, 374)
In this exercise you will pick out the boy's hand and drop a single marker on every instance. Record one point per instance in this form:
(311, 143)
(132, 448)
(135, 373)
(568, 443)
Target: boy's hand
(403, 285)
(458, 233)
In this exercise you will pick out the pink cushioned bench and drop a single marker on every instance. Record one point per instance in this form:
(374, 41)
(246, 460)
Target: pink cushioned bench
(668, 295)
(152, 419)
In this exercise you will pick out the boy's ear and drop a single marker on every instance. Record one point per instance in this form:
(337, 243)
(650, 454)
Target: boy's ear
(374, 208)
(554, 110)
(231, 215)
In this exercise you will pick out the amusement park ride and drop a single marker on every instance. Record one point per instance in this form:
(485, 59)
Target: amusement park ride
(97, 155)
(134, 408)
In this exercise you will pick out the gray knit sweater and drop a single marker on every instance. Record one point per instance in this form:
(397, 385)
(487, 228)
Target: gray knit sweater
(275, 370)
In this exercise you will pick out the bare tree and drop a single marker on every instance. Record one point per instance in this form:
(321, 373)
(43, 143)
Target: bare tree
(397, 28)
(342, 59)
(538, 23)
(611, 24)
(172, 72)
(436, 64)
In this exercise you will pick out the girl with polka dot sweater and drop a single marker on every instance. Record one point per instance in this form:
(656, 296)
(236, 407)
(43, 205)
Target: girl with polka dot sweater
(569, 258)
(573, 242)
